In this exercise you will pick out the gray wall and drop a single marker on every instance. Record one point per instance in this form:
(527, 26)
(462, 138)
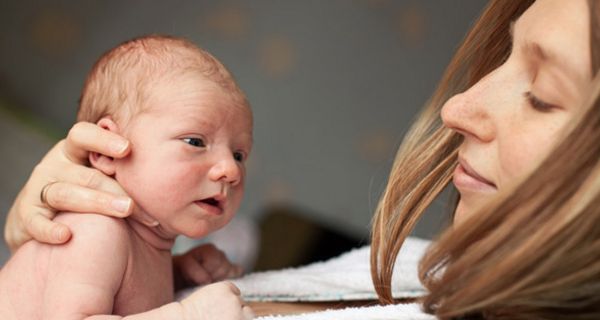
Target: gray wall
(333, 84)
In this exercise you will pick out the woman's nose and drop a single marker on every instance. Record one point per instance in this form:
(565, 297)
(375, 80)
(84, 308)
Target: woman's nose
(226, 169)
(469, 114)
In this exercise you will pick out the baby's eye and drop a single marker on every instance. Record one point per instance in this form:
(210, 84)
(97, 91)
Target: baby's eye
(238, 156)
(196, 142)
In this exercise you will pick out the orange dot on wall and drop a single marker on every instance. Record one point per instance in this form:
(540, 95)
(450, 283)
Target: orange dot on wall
(228, 21)
(277, 56)
(55, 33)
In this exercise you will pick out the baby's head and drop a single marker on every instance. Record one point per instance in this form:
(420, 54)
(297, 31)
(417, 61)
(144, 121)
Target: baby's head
(189, 124)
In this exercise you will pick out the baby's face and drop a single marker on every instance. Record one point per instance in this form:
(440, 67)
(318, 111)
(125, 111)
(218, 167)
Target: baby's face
(187, 165)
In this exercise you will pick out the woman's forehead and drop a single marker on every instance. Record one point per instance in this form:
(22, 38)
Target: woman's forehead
(558, 33)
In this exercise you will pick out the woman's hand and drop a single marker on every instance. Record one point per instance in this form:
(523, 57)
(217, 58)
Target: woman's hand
(202, 265)
(67, 185)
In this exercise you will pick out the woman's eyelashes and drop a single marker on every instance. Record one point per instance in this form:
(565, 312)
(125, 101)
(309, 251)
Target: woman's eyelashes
(538, 104)
(196, 142)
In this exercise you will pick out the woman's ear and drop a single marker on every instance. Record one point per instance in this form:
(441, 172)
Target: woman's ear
(98, 160)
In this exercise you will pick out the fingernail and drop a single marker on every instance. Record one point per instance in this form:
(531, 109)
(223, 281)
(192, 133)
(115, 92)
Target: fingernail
(152, 223)
(119, 146)
(148, 220)
(121, 205)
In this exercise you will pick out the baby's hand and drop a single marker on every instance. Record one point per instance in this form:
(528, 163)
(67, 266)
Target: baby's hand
(202, 265)
(219, 300)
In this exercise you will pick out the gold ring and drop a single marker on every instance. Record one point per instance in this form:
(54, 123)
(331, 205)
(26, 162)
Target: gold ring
(44, 192)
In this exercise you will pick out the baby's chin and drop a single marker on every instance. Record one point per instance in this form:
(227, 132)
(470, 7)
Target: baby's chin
(201, 230)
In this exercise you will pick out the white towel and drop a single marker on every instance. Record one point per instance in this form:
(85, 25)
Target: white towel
(410, 311)
(343, 278)
(346, 277)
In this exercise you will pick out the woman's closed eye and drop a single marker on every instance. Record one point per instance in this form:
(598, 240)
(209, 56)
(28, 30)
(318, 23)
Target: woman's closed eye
(196, 142)
(538, 104)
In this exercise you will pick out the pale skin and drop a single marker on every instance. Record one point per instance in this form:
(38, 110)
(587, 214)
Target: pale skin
(506, 132)
(512, 117)
(113, 268)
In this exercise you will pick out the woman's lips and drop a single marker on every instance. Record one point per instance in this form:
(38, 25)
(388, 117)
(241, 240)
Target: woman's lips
(466, 178)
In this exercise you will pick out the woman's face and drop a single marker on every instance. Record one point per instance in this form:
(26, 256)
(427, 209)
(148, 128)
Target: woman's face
(512, 117)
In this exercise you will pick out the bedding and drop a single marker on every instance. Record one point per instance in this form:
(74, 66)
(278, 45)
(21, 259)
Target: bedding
(343, 278)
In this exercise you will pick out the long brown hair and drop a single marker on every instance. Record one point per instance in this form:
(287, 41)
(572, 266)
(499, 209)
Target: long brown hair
(521, 260)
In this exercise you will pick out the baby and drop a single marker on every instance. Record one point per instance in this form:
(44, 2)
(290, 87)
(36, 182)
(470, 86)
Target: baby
(191, 131)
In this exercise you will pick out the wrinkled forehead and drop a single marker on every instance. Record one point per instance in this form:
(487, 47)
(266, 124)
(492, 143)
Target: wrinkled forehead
(191, 86)
(192, 95)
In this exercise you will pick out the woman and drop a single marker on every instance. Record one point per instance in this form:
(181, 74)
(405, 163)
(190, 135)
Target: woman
(525, 239)
(521, 145)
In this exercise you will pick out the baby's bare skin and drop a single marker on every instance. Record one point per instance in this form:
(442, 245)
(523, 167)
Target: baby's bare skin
(107, 271)
(84, 269)
(186, 171)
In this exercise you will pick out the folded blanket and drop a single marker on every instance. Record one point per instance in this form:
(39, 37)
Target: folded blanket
(346, 277)
(410, 311)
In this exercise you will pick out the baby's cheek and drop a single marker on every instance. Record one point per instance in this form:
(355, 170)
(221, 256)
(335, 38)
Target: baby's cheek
(150, 186)
(172, 184)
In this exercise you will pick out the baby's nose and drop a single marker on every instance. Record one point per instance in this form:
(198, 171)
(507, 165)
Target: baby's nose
(226, 169)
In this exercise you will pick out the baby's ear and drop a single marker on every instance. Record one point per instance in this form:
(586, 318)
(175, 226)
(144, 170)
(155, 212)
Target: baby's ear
(99, 161)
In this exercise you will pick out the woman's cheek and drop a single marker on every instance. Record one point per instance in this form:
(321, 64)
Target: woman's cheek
(523, 159)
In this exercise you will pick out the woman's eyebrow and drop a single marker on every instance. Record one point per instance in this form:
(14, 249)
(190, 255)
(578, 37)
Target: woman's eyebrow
(546, 55)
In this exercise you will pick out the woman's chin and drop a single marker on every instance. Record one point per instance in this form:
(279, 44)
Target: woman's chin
(459, 213)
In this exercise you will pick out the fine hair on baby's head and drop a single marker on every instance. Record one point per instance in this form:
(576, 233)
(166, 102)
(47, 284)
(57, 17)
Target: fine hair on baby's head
(121, 81)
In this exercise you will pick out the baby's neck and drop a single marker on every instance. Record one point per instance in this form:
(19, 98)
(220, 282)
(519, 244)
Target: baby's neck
(152, 235)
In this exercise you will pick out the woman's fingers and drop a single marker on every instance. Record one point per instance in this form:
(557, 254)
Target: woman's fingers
(113, 200)
(91, 178)
(47, 230)
(65, 196)
(85, 137)
(67, 185)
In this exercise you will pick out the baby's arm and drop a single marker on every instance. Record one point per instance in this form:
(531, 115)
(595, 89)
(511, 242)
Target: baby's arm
(219, 300)
(85, 274)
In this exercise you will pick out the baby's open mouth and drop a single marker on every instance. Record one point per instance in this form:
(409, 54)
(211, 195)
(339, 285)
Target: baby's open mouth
(212, 205)
(211, 201)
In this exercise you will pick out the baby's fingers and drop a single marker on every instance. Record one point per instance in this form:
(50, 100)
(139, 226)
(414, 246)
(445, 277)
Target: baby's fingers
(235, 271)
(247, 312)
(193, 271)
(64, 196)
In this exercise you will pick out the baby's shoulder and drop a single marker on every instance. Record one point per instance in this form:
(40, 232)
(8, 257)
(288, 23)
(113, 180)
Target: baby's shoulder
(93, 226)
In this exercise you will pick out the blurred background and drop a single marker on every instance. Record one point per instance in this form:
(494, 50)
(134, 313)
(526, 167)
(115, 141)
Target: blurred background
(333, 86)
